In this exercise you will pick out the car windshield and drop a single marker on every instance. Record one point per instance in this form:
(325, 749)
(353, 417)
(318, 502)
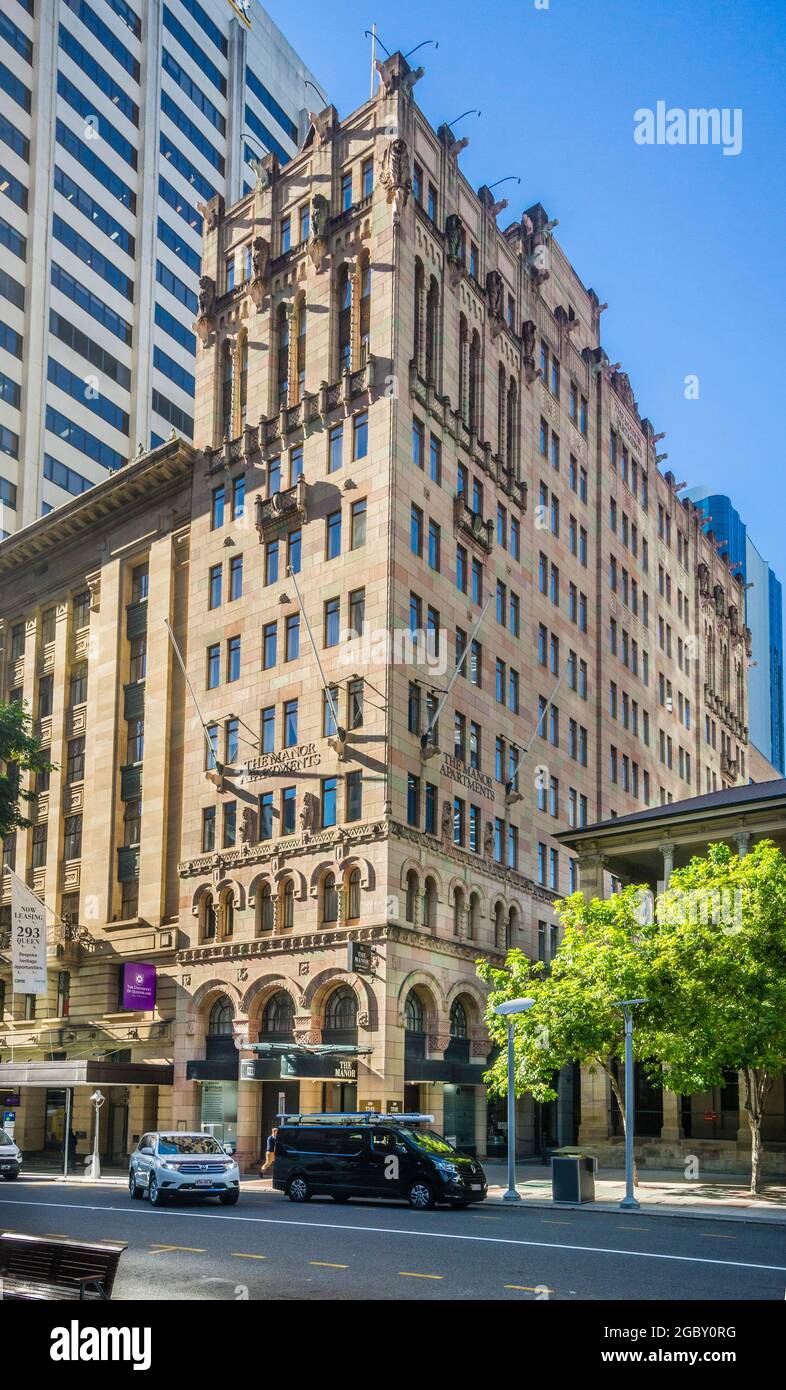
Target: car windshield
(428, 1141)
(189, 1144)
(5, 1138)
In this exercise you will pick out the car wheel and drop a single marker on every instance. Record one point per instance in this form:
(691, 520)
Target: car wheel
(10, 1177)
(134, 1190)
(228, 1199)
(420, 1196)
(298, 1189)
(157, 1198)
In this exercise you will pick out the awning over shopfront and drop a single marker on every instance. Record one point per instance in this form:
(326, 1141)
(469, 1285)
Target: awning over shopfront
(85, 1072)
(454, 1073)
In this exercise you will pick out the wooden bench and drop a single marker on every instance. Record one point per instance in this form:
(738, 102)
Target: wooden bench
(54, 1267)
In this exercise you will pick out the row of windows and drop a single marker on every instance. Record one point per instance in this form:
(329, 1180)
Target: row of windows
(630, 470)
(624, 772)
(185, 168)
(175, 329)
(192, 132)
(81, 439)
(181, 248)
(14, 138)
(176, 287)
(270, 104)
(267, 137)
(174, 371)
(13, 240)
(95, 166)
(191, 47)
(98, 74)
(179, 419)
(95, 214)
(68, 333)
(15, 38)
(64, 477)
(95, 121)
(192, 91)
(10, 340)
(628, 651)
(628, 589)
(91, 304)
(11, 289)
(10, 391)
(105, 36)
(15, 88)
(629, 534)
(8, 494)
(81, 390)
(12, 187)
(9, 442)
(180, 204)
(624, 708)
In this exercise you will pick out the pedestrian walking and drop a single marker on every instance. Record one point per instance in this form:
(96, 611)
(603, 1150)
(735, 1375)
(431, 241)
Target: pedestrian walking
(270, 1153)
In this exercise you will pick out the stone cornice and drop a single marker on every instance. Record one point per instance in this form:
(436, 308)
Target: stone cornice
(292, 847)
(509, 879)
(233, 952)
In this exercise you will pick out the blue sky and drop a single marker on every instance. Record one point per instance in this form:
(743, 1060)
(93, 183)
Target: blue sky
(686, 244)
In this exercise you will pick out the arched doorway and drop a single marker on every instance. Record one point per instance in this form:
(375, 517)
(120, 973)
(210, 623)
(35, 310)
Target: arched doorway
(341, 1029)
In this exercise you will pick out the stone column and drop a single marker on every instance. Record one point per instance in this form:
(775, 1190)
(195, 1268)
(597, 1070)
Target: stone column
(743, 839)
(481, 1119)
(249, 1122)
(671, 1129)
(158, 733)
(594, 1106)
(668, 863)
(591, 868)
(104, 694)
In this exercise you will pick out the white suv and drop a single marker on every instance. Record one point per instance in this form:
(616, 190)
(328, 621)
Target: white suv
(170, 1163)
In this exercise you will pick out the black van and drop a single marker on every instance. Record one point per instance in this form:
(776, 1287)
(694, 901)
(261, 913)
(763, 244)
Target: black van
(364, 1159)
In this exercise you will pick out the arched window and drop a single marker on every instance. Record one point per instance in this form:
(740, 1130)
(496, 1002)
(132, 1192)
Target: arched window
(458, 1020)
(365, 310)
(432, 330)
(219, 1024)
(458, 911)
(474, 382)
(287, 901)
(419, 293)
(300, 364)
(208, 918)
(511, 936)
(512, 424)
(344, 319)
(412, 896)
(341, 1011)
(279, 1015)
(430, 906)
(243, 381)
(413, 1013)
(226, 390)
(329, 899)
(228, 910)
(353, 896)
(282, 355)
(499, 927)
(266, 915)
(474, 916)
(463, 369)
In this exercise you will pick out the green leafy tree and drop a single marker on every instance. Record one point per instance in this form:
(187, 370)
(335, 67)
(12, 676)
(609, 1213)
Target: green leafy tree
(19, 752)
(603, 958)
(720, 959)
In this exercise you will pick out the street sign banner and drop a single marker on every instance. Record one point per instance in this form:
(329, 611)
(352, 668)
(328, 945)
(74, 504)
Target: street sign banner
(28, 939)
(139, 985)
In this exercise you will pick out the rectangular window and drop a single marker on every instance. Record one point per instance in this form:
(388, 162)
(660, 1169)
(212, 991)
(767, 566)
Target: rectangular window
(213, 666)
(233, 659)
(360, 435)
(269, 644)
(353, 796)
(290, 723)
(292, 639)
(332, 622)
(418, 442)
(328, 801)
(268, 729)
(236, 577)
(208, 829)
(358, 524)
(333, 535)
(214, 587)
(335, 448)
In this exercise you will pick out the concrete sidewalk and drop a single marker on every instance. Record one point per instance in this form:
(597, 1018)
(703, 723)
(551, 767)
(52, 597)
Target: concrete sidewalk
(661, 1193)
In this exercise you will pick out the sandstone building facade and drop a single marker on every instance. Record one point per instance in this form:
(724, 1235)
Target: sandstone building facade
(407, 430)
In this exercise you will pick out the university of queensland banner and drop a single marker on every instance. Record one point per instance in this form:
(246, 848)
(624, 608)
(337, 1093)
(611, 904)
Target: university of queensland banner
(139, 985)
(28, 939)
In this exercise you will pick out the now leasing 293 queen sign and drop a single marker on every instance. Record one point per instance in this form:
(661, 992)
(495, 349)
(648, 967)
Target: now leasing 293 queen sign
(28, 939)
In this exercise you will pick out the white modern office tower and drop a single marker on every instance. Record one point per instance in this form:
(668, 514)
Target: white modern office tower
(118, 118)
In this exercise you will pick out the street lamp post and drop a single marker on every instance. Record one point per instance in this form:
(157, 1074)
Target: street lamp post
(509, 1010)
(629, 1202)
(93, 1169)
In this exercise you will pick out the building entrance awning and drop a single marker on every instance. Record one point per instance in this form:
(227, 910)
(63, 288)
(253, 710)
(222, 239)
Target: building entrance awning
(85, 1072)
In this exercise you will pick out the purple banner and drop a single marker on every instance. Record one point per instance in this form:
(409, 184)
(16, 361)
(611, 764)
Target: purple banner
(139, 986)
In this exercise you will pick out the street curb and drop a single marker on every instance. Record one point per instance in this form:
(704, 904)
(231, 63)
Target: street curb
(753, 1217)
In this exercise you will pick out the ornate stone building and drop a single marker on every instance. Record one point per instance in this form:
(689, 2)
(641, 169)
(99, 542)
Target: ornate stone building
(407, 430)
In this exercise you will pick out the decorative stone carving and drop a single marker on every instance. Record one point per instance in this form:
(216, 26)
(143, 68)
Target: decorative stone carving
(207, 303)
(720, 600)
(395, 176)
(364, 1020)
(266, 170)
(309, 812)
(704, 579)
(454, 237)
(248, 827)
(395, 75)
(211, 212)
(446, 824)
(620, 382)
(488, 840)
(319, 221)
(322, 124)
(528, 335)
(495, 299)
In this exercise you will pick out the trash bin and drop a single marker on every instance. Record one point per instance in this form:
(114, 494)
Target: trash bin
(573, 1175)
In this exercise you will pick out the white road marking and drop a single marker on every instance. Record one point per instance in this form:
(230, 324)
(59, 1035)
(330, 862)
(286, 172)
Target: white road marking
(396, 1231)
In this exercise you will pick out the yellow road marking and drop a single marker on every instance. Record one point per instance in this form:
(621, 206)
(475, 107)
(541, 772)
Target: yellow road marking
(239, 1255)
(189, 1250)
(326, 1264)
(525, 1288)
(408, 1274)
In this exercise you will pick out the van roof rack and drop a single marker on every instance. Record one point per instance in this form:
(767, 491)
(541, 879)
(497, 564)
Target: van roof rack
(353, 1117)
